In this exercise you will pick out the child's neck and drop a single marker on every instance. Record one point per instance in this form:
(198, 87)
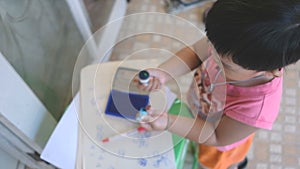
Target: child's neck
(248, 80)
(246, 77)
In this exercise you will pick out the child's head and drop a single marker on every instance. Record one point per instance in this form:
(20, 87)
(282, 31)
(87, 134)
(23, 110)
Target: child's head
(257, 34)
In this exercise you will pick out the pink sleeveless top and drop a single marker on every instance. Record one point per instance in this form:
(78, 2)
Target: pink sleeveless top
(256, 106)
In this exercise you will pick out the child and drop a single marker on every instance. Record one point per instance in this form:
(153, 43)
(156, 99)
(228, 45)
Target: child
(255, 39)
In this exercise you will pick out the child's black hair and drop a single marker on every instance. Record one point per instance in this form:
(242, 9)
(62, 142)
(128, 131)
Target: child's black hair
(258, 34)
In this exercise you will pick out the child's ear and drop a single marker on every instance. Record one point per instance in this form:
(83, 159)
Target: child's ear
(277, 72)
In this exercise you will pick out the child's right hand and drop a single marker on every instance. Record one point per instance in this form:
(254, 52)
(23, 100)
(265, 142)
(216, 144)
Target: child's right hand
(155, 120)
(157, 79)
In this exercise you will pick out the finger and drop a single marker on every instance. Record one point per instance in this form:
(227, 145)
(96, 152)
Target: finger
(144, 86)
(140, 85)
(146, 119)
(148, 107)
(138, 116)
(155, 83)
(149, 86)
(150, 118)
(150, 112)
(155, 113)
(135, 81)
(146, 126)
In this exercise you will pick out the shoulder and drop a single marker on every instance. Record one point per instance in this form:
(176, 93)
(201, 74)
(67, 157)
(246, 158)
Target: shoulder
(259, 107)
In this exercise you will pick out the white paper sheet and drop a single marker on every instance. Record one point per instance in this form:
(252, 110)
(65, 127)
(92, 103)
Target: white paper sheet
(61, 147)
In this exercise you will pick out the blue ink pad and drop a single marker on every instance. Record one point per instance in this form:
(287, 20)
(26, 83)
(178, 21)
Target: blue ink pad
(125, 104)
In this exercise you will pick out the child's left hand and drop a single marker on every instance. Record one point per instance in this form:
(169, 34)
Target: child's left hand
(155, 120)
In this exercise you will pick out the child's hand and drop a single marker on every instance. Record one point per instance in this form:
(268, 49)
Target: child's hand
(157, 79)
(155, 120)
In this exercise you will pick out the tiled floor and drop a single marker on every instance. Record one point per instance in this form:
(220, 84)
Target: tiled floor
(276, 149)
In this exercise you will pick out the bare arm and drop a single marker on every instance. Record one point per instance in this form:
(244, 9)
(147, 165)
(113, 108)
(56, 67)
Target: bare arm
(226, 132)
(183, 62)
(186, 59)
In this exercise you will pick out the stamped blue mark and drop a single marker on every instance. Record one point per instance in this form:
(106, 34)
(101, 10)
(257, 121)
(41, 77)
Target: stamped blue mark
(161, 161)
(142, 162)
(147, 134)
(142, 139)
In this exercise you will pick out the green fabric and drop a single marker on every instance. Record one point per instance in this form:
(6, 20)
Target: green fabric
(180, 143)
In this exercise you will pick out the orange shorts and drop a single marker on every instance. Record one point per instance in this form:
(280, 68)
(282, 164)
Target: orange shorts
(212, 158)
